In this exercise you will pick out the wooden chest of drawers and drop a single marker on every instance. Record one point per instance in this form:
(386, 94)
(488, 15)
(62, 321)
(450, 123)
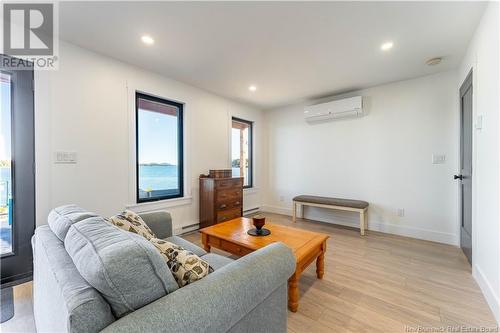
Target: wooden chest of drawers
(221, 199)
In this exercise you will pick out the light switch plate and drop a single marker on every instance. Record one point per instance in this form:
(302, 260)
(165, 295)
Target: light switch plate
(438, 158)
(479, 122)
(65, 157)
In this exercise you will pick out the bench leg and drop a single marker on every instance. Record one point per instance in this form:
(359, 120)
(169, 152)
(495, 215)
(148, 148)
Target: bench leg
(302, 211)
(366, 218)
(362, 222)
(294, 218)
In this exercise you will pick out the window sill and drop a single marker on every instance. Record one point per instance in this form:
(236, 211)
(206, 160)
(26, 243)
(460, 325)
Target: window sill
(159, 205)
(250, 190)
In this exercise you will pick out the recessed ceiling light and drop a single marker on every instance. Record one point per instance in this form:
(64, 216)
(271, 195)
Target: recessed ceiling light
(434, 61)
(386, 46)
(252, 88)
(148, 40)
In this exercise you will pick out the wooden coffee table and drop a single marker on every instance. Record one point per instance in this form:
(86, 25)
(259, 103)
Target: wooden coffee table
(307, 246)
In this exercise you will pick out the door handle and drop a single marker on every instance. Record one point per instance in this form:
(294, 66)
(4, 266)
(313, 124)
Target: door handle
(458, 177)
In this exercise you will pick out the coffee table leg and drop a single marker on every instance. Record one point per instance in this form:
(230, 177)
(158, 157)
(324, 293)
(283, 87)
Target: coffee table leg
(320, 262)
(204, 240)
(293, 292)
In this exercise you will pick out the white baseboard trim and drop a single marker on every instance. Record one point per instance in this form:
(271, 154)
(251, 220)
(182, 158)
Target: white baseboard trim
(425, 234)
(276, 210)
(488, 291)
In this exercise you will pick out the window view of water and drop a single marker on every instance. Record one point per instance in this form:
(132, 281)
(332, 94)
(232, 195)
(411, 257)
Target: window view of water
(158, 180)
(158, 177)
(159, 141)
(241, 150)
(5, 163)
(236, 172)
(163, 178)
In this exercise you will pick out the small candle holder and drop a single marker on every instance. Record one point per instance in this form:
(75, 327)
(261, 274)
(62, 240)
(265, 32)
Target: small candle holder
(259, 221)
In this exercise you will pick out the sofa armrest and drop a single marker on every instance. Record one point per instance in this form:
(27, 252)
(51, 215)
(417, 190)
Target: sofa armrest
(221, 300)
(160, 222)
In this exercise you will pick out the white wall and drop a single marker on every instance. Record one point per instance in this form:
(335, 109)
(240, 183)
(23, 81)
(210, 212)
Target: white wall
(384, 158)
(87, 106)
(483, 57)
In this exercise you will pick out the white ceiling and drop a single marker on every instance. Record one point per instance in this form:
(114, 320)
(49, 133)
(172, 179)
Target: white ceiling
(291, 51)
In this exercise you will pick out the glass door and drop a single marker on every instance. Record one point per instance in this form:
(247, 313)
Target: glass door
(17, 174)
(5, 164)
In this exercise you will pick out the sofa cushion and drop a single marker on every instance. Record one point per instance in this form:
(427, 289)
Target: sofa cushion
(63, 301)
(130, 221)
(216, 261)
(62, 218)
(160, 222)
(124, 267)
(186, 266)
(187, 245)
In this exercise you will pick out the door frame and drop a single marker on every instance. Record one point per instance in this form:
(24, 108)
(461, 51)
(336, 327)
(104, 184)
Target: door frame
(21, 258)
(468, 79)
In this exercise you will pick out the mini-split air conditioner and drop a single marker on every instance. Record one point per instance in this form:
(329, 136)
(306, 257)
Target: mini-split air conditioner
(342, 108)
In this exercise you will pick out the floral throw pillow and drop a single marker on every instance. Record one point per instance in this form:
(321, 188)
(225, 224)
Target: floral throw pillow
(130, 221)
(185, 266)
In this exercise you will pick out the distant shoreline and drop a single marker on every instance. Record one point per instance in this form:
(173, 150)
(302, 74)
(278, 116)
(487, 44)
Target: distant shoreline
(156, 164)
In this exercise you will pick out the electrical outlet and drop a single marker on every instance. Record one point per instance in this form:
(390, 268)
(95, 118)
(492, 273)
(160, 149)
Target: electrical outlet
(401, 212)
(282, 198)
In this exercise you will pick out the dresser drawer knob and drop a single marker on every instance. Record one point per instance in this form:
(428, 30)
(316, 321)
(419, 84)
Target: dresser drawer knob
(237, 203)
(222, 206)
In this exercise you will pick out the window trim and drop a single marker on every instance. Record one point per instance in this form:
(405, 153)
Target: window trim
(180, 146)
(250, 148)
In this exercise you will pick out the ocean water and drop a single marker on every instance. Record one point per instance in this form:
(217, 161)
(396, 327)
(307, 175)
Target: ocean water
(151, 177)
(4, 174)
(158, 177)
(5, 186)
(163, 177)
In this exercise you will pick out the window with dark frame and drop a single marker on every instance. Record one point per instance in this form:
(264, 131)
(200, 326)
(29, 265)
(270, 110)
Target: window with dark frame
(242, 150)
(17, 179)
(159, 148)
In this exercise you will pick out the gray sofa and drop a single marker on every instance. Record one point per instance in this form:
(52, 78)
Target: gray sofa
(244, 295)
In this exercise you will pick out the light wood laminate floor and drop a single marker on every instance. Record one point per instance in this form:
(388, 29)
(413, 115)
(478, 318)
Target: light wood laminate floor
(383, 283)
(376, 283)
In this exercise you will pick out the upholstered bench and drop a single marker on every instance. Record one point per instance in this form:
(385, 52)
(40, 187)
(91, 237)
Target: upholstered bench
(333, 203)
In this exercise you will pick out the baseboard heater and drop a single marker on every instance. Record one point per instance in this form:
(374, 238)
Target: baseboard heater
(190, 226)
(195, 226)
(185, 229)
(251, 211)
